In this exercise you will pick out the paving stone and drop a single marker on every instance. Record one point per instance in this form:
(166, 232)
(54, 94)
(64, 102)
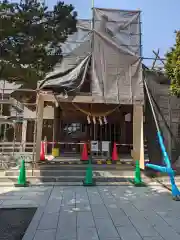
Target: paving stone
(18, 203)
(142, 204)
(94, 197)
(53, 206)
(40, 200)
(128, 233)
(57, 191)
(99, 211)
(106, 194)
(153, 218)
(167, 232)
(65, 238)
(67, 208)
(68, 197)
(129, 209)
(35, 189)
(67, 225)
(153, 238)
(45, 235)
(28, 193)
(40, 194)
(95, 200)
(66, 233)
(10, 197)
(109, 238)
(115, 211)
(87, 234)
(56, 197)
(173, 222)
(109, 201)
(120, 220)
(169, 213)
(161, 225)
(82, 199)
(83, 207)
(153, 214)
(81, 196)
(143, 226)
(49, 221)
(105, 228)
(118, 216)
(85, 220)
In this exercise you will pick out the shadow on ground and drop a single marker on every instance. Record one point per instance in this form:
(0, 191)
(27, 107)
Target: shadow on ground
(14, 222)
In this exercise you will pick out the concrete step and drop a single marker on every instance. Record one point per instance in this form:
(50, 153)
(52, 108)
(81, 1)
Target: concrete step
(102, 177)
(103, 167)
(44, 173)
(33, 179)
(70, 173)
(66, 173)
(64, 184)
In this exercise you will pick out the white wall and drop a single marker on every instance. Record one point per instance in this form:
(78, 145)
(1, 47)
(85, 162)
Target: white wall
(48, 113)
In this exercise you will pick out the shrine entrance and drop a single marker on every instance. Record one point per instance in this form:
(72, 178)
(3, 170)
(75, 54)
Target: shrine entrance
(77, 128)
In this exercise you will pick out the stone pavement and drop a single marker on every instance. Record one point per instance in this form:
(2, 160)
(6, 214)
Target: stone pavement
(97, 213)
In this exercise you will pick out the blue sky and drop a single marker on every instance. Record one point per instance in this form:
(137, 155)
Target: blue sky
(160, 18)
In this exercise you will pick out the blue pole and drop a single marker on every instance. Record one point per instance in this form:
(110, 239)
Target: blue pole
(169, 170)
(159, 168)
(163, 149)
(174, 189)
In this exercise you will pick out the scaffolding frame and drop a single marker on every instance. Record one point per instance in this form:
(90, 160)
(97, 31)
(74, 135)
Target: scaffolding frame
(16, 116)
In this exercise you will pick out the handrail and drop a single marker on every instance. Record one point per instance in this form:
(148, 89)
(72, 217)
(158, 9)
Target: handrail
(20, 143)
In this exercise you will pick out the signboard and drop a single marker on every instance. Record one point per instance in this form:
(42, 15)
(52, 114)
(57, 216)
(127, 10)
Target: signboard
(94, 146)
(105, 146)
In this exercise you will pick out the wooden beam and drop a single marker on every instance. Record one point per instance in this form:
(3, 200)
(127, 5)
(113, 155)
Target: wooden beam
(49, 97)
(39, 125)
(138, 136)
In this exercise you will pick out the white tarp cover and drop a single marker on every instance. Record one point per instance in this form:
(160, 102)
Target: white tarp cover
(114, 48)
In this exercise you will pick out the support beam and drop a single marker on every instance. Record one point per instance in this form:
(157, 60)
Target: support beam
(123, 130)
(57, 126)
(138, 135)
(39, 125)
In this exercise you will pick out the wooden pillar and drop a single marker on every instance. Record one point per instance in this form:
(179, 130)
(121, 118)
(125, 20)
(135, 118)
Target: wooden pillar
(23, 137)
(57, 125)
(39, 125)
(138, 136)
